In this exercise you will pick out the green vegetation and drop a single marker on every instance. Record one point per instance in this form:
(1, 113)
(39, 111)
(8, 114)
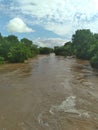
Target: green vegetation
(1, 60)
(15, 51)
(84, 45)
(65, 50)
(45, 50)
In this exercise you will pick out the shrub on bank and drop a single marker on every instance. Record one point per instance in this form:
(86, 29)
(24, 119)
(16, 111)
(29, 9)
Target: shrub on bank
(1, 60)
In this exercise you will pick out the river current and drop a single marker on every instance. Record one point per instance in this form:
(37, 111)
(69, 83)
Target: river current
(49, 93)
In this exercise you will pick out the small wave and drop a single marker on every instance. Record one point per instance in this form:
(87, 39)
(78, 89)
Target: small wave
(84, 114)
(69, 106)
(41, 120)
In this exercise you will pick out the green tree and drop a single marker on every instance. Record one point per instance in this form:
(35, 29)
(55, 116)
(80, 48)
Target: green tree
(33, 50)
(93, 51)
(4, 48)
(27, 42)
(94, 61)
(59, 50)
(12, 39)
(45, 50)
(18, 53)
(1, 60)
(13, 50)
(82, 40)
(65, 50)
(68, 49)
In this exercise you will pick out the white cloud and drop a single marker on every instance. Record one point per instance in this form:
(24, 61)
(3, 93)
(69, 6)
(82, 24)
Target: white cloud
(62, 17)
(49, 9)
(58, 9)
(51, 13)
(58, 28)
(17, 25)
(49, 42)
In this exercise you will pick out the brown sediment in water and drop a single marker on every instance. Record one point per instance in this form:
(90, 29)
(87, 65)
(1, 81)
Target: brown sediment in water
(49, 93)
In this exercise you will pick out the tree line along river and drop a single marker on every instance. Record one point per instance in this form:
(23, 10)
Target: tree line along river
(49, 93)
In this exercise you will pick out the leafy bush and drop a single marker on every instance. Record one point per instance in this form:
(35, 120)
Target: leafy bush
(18, 54)
(1, 60)
(45, 50)
(94, 61)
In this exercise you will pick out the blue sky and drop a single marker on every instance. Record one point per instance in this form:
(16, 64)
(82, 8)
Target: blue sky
(47, 22)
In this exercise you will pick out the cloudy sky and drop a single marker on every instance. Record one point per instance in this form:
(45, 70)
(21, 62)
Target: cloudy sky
(47, 22)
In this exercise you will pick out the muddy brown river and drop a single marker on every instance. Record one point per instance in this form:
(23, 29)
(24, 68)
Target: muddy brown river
(49, 93)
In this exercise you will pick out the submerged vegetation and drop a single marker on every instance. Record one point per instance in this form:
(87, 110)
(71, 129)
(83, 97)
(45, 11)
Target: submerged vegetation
(84, 45)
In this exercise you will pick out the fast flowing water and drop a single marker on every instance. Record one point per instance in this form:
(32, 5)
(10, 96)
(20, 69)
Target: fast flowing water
(49, 93)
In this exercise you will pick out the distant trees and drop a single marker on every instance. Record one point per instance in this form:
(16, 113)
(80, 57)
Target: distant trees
(59, 50)
(84, 45)
(45, 50)
(65, 50)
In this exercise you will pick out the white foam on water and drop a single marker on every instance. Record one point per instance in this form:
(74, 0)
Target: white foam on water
(69, 106)
(41, 121)
(84, 114)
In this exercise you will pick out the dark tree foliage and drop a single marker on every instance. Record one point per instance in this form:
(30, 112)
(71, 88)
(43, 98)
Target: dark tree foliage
(27, 42)
(45, 50)
(68, 48)
(1, 60)
(59, 50)
(94, 61)
(65, 50)
(93, 51)
(4, 48)
(18, 53)
(13, 50)
(33, 50)
(12, 39)
(82, 40)
(84, 45)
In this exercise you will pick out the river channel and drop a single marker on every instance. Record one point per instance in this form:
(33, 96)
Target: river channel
(49, 93)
